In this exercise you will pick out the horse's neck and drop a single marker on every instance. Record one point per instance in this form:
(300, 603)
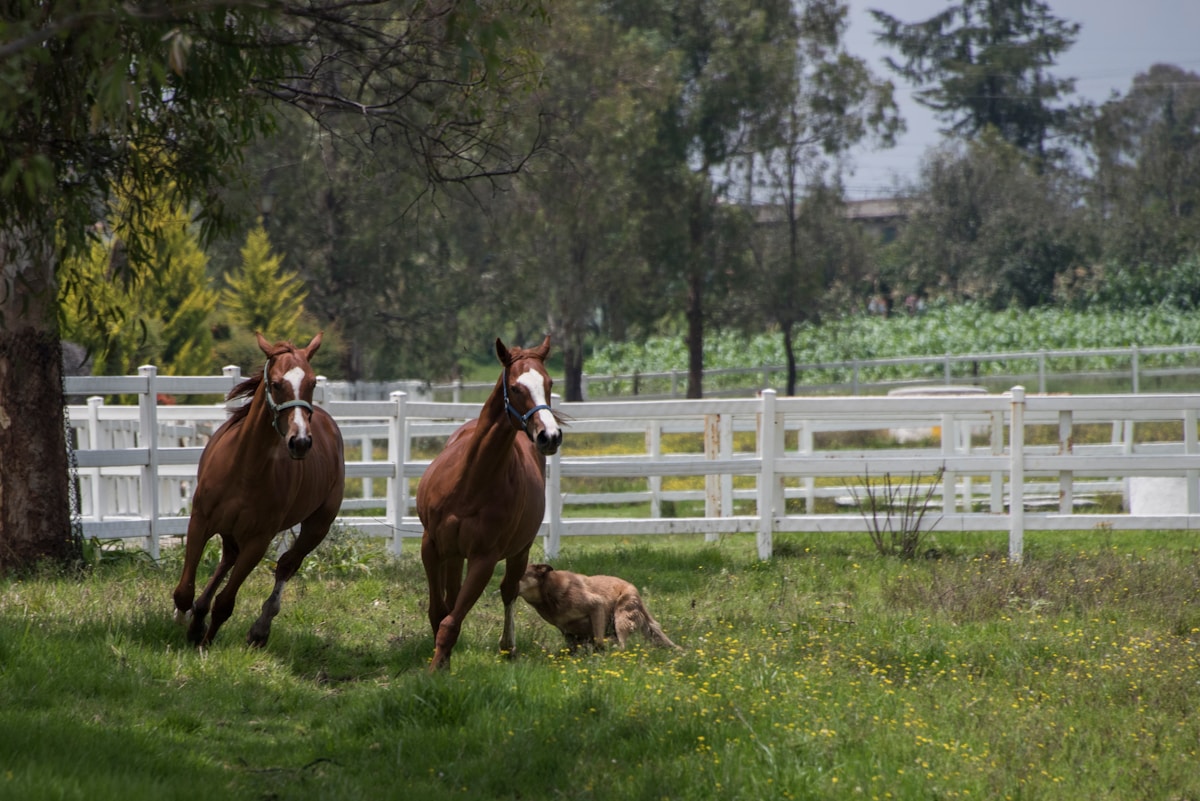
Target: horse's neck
(257, 435)
(491, 443)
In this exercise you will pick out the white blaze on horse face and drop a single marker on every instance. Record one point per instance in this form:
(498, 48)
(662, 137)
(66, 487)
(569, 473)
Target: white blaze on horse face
(532, 381)
(294, 377)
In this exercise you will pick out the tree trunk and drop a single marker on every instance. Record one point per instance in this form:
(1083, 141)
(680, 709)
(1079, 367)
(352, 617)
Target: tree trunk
(695, 334)
(35, 512)
(789, 349)
(572, 371)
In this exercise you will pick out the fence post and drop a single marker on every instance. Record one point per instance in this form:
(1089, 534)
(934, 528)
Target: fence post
(767, 479)
(1016, 477)
(94, 403)
(234, 374)
(726, 435)
(1190, 448)
(949, 477)
(397, 486)
(1133, 367)
(997, 477)
(554, 501)
(1066, 478)
(148, 430)
(654, 449)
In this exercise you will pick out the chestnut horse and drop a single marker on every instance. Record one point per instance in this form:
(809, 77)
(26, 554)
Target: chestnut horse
(483, 498)
(277, 461)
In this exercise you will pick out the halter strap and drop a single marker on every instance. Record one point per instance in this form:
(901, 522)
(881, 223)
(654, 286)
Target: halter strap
(522, 419)
(276, 408)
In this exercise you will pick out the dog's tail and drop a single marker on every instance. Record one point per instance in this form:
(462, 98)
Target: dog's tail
(654, 633)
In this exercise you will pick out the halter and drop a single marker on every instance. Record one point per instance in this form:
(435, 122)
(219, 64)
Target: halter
(523, 419)
(276, 408)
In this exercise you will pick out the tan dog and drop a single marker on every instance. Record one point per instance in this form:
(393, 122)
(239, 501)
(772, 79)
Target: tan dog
(589, 608)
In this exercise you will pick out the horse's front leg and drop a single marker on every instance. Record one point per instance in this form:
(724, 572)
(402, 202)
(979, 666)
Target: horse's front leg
(248, 557)
(199, 610)
(310, 537)
(514, 568)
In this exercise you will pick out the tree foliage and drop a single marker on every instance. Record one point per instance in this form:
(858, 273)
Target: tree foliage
(984, 64)
(803, 245)
(159, 99)
(148, 306)
(987, 226)
(1146, 151)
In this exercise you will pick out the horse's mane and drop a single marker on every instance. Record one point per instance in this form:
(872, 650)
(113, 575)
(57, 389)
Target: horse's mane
(245, 389)
(248, 387)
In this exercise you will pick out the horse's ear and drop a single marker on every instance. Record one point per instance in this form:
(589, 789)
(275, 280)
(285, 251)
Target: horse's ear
(542, 350)
(263, 343)
(310, 350)
(502, 353)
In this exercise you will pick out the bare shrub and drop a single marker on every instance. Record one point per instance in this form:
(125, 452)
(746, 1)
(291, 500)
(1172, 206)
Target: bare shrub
(895, 513)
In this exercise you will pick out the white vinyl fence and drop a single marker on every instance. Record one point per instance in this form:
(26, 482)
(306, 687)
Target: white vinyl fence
(783, 467)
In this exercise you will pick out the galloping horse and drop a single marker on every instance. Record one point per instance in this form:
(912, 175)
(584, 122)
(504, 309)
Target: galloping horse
(483, 497)
(277, 461)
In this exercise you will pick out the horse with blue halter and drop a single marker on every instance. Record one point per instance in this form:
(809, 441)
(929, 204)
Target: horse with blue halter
(277, 461)
(484, 496)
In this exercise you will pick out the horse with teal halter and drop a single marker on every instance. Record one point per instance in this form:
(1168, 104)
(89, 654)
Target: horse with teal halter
(482, 499)
(276, 462)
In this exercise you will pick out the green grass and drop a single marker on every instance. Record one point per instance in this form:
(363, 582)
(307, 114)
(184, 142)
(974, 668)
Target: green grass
(827, 672)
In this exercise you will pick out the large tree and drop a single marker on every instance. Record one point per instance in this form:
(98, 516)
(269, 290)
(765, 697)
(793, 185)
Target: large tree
(735, 70)
(985, 63)
(572, 229)
(159, 98)
(987, 226)
(804, 245)
(1146, 149)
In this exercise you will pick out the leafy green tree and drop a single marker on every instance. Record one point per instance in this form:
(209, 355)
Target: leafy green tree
(1145, 195)
(573, 233)
(802, 252)
(984, 63)
(163, 96)
(805, 265)
(735, 67)
(986, 225)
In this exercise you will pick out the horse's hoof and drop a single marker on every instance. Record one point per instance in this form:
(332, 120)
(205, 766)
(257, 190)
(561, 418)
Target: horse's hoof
(508, 653)
(255, 641)
(182, 617)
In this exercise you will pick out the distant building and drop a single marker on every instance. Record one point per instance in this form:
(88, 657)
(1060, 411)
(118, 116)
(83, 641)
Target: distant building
(881, 216)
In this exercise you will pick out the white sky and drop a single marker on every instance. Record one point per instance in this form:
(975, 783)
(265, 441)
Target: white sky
(1118, 39)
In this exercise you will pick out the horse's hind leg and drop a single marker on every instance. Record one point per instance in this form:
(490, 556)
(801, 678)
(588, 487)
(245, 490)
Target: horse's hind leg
(479, 573)
(287, 567)
(444, 577)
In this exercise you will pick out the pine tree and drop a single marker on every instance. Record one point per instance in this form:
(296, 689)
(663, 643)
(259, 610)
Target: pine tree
(983, 64)
(160, 314)
(262, 297)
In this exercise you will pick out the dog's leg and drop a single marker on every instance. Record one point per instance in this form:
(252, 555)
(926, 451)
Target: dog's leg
(599, 623)
(625, 622)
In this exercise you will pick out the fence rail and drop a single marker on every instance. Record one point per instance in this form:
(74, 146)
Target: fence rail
(766, 464)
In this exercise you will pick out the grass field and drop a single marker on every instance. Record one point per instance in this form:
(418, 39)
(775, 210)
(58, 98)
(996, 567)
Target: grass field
(828, 672)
